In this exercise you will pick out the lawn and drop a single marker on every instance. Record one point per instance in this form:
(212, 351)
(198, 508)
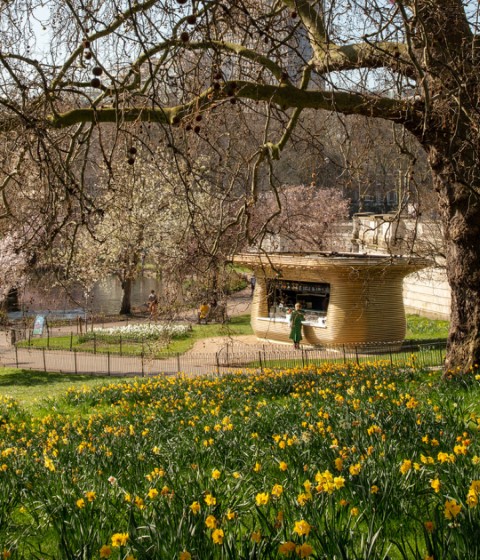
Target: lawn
(421, 328)
(34, 389)
(336, 462)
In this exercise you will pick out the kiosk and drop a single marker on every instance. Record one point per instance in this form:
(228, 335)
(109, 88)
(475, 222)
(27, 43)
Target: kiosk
(347, 298)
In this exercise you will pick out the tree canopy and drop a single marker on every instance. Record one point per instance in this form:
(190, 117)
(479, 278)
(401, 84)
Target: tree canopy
(88, 81)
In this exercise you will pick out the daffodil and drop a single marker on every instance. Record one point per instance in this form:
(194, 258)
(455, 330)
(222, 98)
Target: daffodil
(277, 490)
(119, 539)
(218, 536)
(211, 522)
(105, 551)
(195, 507)
(452, 509)
(302, 528)
(262, 498)
(287, 548)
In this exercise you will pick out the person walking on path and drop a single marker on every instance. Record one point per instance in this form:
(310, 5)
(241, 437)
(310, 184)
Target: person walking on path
(253, 281)
(153, 305)
(296, 318)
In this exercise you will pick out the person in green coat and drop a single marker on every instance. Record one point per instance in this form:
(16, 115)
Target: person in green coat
(296, 319)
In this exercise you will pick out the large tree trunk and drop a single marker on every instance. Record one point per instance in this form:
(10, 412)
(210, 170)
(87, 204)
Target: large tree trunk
(460, 207)
(126, 307)
(463, 271)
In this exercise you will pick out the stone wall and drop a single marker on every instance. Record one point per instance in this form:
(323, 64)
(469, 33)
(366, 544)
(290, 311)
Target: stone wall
(427, 292)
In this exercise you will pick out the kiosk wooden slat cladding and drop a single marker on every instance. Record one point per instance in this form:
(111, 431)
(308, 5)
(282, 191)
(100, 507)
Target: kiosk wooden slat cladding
(365, 299)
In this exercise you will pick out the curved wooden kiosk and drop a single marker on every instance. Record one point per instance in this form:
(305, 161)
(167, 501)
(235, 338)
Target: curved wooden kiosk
(347, 298)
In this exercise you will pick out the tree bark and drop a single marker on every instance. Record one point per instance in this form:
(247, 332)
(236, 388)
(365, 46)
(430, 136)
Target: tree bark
(461, 219)
(126, 306)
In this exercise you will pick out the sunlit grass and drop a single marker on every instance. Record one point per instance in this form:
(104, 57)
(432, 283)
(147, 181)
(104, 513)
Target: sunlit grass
(31, 388)
(421, 328)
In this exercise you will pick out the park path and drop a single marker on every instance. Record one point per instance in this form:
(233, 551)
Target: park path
(202, 358)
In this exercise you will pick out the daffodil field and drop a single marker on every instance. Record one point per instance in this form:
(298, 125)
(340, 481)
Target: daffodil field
(342, 462)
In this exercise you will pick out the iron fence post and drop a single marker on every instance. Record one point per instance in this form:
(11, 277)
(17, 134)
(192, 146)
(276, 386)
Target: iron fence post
(44, 360)
(16, 355)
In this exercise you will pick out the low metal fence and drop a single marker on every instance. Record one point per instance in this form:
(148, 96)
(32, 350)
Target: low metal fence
(260, 358)
(421, 354)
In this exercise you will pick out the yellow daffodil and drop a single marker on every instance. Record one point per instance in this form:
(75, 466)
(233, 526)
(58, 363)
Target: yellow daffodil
(105, 551)
(256, 536)
(119, 539)
(262, 498)
(210, 500)
(287, 548)
(452, 509)
(302, 528)
(277, 490)
(211, 522)
(195, 507)
(304, 550)
(218, 536)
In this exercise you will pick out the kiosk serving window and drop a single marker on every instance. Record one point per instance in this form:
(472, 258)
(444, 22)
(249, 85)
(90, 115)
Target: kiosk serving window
(284, 294)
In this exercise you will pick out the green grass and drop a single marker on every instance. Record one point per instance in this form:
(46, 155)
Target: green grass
(421, 328)
(31, 388)
(239, 325)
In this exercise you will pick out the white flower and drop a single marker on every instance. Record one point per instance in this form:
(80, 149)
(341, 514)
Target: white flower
(145, 331)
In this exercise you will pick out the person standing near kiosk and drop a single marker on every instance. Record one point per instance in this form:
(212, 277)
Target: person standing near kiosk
(296, 318)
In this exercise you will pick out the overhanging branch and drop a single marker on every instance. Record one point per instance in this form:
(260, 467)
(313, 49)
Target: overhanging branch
(286, 96)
